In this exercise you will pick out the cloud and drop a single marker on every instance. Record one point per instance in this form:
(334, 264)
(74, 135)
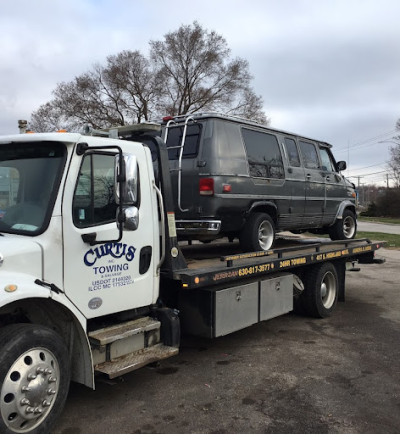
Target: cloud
(324, 69)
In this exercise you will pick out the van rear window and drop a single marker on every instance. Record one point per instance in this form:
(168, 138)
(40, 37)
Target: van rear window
(191, 144)
(263, 154)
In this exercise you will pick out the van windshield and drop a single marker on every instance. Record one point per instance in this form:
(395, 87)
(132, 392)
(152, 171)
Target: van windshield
(29, 176)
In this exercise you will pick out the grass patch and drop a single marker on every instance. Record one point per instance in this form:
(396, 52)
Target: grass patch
(388, 220)
(391, 240)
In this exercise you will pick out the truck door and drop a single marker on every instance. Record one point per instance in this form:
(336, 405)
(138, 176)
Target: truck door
(314, 185)
(109, 277)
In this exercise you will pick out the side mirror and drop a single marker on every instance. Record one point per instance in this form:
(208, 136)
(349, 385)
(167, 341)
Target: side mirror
(341, 165)
(130, 218)
(130, 186)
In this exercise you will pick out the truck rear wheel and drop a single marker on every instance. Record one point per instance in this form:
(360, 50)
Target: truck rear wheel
(344, 228)
(258, 233)
(35, 376)
(321, 290)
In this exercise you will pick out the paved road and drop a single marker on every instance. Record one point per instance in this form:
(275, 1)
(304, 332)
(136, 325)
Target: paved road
(289, 374)
(378, 227)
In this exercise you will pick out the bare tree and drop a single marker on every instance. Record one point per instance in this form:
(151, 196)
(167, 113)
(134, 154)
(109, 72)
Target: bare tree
(394, 163)
(199, 75)
(189, 71)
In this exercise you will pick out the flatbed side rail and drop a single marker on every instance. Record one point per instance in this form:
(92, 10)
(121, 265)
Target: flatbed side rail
(283, 251)
(253, 266)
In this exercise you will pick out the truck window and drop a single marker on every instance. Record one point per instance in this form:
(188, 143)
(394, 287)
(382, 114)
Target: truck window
(94, 200)
(326, 160)
(263, 154)
(310, 156)
(292, 152)
(192, 139)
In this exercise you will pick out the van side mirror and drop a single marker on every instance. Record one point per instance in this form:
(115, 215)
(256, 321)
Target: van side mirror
(130, 185)
(341, 165)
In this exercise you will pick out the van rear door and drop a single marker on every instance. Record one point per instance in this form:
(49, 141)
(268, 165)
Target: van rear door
(182, 153)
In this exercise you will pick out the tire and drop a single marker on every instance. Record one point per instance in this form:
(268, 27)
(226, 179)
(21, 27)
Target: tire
(35, 377)
(321, 290)
(298, 295)
(258, 233)
(344, 228)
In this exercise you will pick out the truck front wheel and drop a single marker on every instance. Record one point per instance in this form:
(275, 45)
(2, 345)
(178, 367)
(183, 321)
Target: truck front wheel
(321, 290)
(258, 233)
(35, 376)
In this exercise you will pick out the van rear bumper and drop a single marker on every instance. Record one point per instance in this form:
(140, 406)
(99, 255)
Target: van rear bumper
(198, 227)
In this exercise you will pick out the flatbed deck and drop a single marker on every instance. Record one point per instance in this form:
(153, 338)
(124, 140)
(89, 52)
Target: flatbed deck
(219, 262)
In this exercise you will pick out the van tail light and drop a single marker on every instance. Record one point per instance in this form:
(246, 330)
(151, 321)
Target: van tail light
(206, 187)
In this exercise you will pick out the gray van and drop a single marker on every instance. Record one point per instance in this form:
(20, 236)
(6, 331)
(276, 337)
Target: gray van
(235, 178)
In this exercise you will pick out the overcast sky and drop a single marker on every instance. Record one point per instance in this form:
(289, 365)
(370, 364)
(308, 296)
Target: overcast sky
(328, 69)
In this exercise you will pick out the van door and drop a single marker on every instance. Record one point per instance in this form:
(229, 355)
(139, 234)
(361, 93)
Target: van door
(295, 184)
(314, 185)
(335, 189)
(109, 277)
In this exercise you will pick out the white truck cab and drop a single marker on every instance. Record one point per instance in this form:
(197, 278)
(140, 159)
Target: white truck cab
(78, 242)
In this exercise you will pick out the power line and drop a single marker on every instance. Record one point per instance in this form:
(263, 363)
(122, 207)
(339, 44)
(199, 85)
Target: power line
(365, 142)
(367, 167)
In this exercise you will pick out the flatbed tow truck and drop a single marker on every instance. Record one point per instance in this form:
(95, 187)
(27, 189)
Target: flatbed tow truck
(95, 280)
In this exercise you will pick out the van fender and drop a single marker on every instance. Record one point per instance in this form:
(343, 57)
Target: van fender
(344, 205)
(265, 206)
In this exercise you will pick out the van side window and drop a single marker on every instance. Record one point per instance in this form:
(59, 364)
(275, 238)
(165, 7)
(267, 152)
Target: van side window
(191, 145)
(263, 154)
(310, 156)
(327, 163)
(94, 201)
(292, 152)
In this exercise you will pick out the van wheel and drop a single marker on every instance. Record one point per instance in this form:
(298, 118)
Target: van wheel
(258, 233)
(344, 228)
(34, 378)
(321, 290)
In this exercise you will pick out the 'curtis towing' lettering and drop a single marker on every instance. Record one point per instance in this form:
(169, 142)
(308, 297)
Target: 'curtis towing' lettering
(116, 250)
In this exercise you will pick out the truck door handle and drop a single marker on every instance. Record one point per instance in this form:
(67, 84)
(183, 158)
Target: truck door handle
(308, 176)
(328, 178)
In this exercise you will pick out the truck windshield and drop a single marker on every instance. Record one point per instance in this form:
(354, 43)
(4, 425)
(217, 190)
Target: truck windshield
(29, 175)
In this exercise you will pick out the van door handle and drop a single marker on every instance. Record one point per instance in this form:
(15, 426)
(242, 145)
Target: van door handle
(308, 176)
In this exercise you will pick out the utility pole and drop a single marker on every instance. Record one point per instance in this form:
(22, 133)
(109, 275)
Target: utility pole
(387, 181)
(22, 124)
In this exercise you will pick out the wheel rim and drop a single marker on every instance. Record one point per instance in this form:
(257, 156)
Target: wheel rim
(349, 227)
(328, 290)
(30, 390)
(265, 235)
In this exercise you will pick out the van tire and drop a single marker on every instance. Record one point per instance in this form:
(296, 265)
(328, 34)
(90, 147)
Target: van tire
(344, 228)
(258, 233)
